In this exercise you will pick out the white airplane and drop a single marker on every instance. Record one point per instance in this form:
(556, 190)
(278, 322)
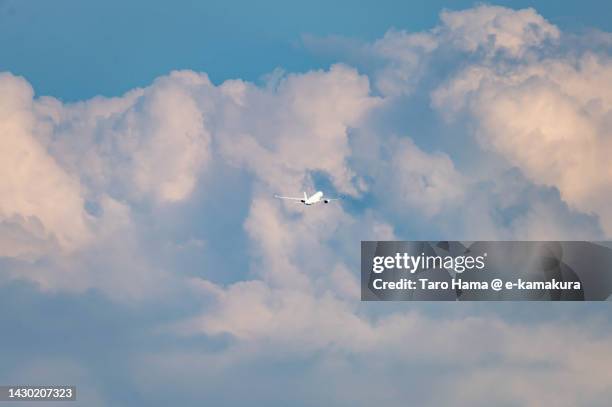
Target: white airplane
(317, 197)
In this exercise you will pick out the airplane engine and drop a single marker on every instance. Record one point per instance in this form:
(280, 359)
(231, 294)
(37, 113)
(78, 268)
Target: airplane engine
(326, 200)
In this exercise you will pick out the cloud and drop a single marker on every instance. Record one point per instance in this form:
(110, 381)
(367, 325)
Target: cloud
(106, 194)
(149, 143)
(289, 317)
(122, 164)
(170, 140)
(119, 164)
(493, 29)
(550, 118)
(301, 125)
(528, 95)
(526, 363)
(426, 182)
(537, 104)
(39, 200)
(406, 57)
(401, 60)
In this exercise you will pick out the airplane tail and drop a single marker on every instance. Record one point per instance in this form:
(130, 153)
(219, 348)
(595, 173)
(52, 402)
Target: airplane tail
(305, 196)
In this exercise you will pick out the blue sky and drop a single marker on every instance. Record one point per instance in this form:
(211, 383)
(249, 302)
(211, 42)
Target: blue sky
(60, 46)
(143, 258)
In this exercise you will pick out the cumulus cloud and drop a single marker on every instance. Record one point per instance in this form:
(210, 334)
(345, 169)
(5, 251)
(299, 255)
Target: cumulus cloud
(149, 143)
(167, 130)
(401, 59)
(540, 106)
(484, 31)
(526, 363)
(495, 29)
(39, 200)
(550, 118)
(293, 318)
(91, 186)
(87, 173)
(430, 183)
(529, 95)
(283, 132)
(406, 58)
(426, 182)
(148, 149)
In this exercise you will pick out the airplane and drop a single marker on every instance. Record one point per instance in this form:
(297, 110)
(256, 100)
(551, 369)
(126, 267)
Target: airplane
(315, 198)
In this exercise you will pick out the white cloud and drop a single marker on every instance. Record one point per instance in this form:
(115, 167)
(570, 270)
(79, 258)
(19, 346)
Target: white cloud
(426, 182)
(282, 133)
(154, 144)
(149, 143)
(537, 103)
(550, 118)
(39, 200)
(488, 32)
(116, 156)
(561, 362)
(494, 29)
(171, 138)
(289, 317)
(302, 249)
(407, 56)
(131, 160)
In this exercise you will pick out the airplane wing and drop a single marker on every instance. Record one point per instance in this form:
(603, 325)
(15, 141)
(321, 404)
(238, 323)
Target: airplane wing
(327, 200)
(288, 197)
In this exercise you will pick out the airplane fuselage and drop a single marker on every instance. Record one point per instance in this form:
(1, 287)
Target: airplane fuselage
(315, 198)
